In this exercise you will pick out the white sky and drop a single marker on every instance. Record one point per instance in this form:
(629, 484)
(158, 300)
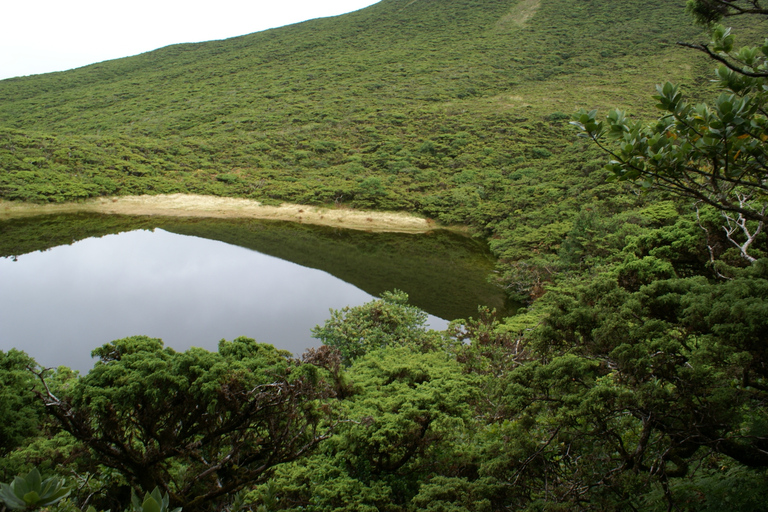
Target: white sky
(41, 36)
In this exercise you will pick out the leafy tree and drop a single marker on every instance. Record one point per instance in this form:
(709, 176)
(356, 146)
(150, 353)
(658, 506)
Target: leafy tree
(199, 425)
(389, 321)
(19, 410)
(710, 11)
(39, 443)
(486, 348)
(713, 153)
(621, 391)
(406, 415)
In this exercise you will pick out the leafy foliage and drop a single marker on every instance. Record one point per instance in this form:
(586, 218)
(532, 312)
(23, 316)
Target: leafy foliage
(32, 492)
(715, 154)
(152, 502)
(196, 424)
(19, 411)
(388, 322)
(403, 412)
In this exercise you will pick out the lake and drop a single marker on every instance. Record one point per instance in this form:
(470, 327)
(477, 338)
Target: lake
(74, 282)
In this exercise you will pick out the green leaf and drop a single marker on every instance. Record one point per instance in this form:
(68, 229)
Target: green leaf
(9, 497)
(31, 498)
(33, 480)
(151, 505)
(722, 39)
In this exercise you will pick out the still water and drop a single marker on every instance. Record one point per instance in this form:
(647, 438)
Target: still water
(59, 304)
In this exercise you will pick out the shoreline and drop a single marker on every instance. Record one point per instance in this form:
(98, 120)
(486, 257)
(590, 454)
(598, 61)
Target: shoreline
(190, 205)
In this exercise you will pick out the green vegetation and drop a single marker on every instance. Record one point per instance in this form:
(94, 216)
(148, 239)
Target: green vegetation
(388, 322)
(636, 378)
(152, 502)
(19, 411)
(461, 104)
(31, 491)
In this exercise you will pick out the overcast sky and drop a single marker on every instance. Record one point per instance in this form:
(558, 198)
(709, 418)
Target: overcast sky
(40, 36)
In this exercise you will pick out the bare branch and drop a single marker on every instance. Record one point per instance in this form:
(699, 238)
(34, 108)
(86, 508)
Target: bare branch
(740, 223)
(709, 247)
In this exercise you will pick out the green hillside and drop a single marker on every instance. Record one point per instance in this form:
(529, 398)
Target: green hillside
(380, 108)
(397, 54)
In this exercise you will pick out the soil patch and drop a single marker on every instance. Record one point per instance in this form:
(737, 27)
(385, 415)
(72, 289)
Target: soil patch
(520, 13)
(187, 205)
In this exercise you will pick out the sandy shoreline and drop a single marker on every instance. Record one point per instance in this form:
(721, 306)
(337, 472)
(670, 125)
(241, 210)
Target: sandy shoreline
(187, 205)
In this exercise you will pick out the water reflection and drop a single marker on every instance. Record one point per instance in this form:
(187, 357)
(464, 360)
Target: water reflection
(195, 281)
(60, 304)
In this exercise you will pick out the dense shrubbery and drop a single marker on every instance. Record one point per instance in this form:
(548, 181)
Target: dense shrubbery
(619, 399)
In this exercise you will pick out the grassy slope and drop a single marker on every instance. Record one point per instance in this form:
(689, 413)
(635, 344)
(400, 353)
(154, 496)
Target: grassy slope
(381, 93)
(383, 65)
(395, 54)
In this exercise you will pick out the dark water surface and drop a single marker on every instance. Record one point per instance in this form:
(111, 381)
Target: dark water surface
(193, 282)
